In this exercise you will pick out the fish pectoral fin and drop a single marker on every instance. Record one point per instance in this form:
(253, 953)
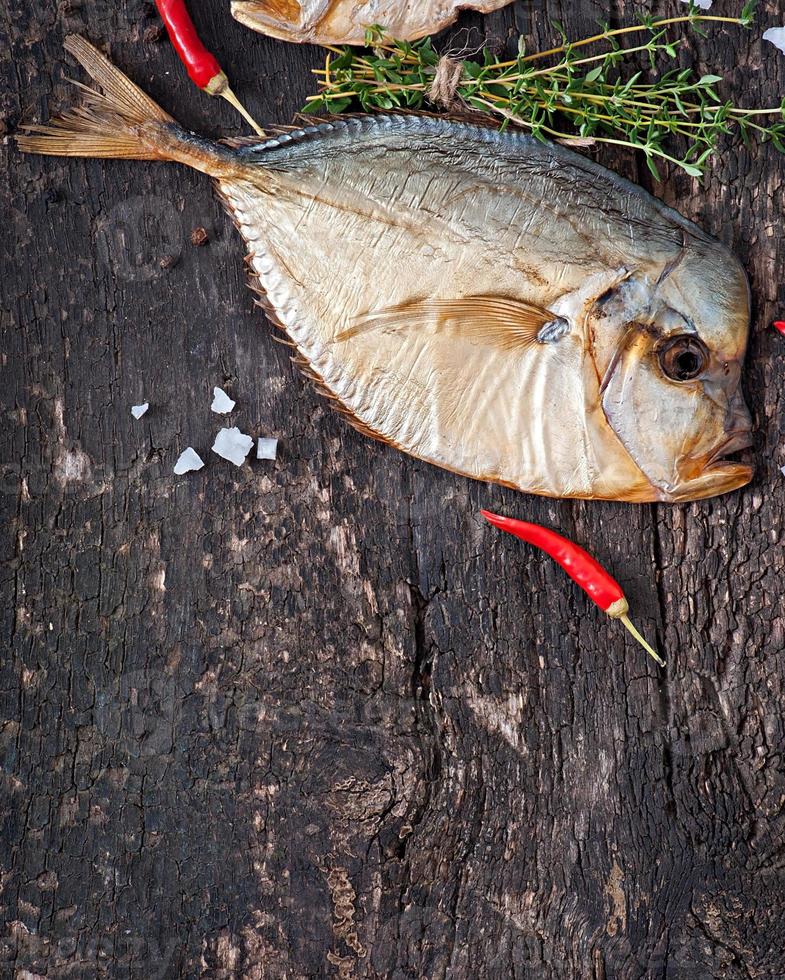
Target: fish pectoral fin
(511, 324)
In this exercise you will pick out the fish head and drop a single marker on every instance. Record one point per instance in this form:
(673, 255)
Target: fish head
(668, 346)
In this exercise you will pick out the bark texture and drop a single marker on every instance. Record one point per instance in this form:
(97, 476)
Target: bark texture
(312, 718)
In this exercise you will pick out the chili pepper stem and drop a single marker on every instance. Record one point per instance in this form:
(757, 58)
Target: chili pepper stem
(232, 99)
(625, 619)
(619, 610)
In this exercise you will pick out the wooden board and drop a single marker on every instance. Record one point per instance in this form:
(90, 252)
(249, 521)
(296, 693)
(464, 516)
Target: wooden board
(312, 718)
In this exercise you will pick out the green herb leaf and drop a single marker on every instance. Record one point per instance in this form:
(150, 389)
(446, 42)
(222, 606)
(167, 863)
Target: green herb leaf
(653, 167)
(670, 115)
(747, 15)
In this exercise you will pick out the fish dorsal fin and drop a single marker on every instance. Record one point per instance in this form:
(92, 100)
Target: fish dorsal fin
(273, 134)
(511, 324)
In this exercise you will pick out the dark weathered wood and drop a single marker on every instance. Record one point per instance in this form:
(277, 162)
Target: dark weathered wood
(313, 718)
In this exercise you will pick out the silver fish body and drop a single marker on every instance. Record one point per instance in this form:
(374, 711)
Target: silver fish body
(383, 213)
(503, 308)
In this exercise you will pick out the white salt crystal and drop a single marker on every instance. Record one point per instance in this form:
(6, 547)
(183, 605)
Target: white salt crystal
(222, 403)
(233, 445)
(782, 470)
(701, 4)
(138, 410)
(266, 448)
(777, 37)
(189, 460)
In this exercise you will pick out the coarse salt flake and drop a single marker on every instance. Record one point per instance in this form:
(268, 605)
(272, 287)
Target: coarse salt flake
(701, 4)
(777, 37)
(188, 460)
(233, 445)
(138, 410)
(222, 403)
(266, 448)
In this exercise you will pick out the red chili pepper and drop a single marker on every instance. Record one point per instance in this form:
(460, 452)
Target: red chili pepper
(580, 566)
(203, 68)
(780, 325)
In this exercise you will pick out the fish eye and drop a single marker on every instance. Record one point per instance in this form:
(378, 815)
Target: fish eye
(683, 358)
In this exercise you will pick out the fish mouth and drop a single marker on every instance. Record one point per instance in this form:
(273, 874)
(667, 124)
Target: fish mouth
(717, 473)
(734, 442)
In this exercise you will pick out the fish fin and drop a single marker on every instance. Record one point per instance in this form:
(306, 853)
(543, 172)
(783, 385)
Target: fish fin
(511, 324)
(108, 123)
(270, 133)
(241, 142)
(275, 134)
(122, 122)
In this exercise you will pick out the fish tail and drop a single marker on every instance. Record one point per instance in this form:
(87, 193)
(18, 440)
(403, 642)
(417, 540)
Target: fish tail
(121, 122)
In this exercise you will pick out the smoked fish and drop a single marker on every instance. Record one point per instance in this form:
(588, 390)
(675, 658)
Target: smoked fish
(500, 307)
(346, 21)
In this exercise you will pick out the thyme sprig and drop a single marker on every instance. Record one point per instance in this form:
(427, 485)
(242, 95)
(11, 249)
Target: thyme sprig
(582, 97)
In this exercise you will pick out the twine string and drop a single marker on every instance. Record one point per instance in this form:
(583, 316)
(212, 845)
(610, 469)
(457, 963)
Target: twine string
(447, 78)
